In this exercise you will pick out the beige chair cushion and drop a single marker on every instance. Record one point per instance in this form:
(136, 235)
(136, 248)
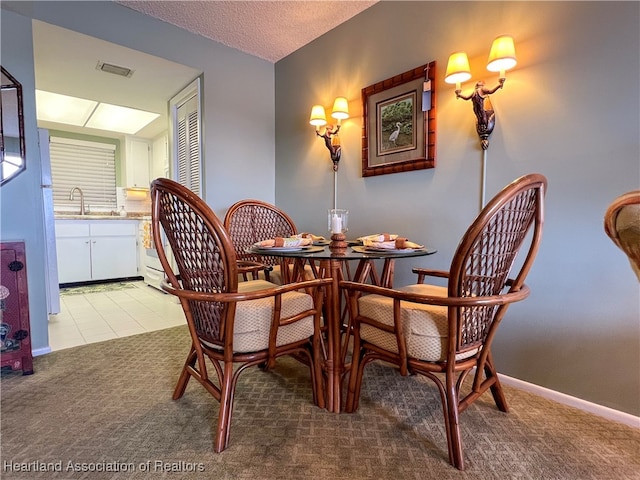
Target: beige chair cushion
(426, 326)
(253, 318)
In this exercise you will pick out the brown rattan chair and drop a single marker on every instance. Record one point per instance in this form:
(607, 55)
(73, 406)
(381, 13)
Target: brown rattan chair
(622, 225)
(250, 221)
(233, 324)
(444, 333)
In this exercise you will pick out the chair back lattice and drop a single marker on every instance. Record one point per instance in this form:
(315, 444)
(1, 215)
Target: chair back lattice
(251, 221)
(203, 254)
(487, 253)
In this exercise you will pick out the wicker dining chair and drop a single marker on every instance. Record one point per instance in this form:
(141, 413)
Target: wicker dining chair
(235, 325)
(622, 225)
(444, 333)
(250, 221)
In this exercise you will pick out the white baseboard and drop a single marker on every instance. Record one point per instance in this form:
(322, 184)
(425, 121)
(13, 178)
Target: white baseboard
(40, 351)
(601, 411)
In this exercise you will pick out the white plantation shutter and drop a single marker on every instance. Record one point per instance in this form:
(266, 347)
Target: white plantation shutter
(194, 152)
(88, 165)
(182, 177)
(185, 108)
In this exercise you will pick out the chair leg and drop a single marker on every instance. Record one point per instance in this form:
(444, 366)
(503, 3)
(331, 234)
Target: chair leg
(355, 377)
(496, 388)
(452, 424)
(227, 386)
(185, 375)
(316, 374)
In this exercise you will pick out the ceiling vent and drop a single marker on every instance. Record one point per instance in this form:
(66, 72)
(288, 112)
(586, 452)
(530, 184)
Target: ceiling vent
(115, 69)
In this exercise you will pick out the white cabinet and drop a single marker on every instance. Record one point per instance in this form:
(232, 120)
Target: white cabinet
(137, 162)
(73, 246)
(160, 158)
(96, 249)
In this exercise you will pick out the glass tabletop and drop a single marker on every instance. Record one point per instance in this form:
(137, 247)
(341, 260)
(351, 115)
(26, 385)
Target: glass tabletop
(356, 252)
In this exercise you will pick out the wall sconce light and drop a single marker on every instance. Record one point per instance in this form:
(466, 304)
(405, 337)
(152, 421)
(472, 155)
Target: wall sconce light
(502, 57)
(318, 119)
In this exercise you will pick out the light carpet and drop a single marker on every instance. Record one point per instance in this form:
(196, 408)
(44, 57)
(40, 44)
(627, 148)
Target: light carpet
(107, 406)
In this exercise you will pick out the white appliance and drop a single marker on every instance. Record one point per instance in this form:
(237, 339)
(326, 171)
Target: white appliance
(153, 272)
(51, 267)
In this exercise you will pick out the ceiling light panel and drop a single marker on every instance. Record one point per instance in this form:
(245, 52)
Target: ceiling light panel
(120, 119)
(53, 107)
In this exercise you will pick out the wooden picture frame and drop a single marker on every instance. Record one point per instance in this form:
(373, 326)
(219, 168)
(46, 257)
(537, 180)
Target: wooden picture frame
(398, 136)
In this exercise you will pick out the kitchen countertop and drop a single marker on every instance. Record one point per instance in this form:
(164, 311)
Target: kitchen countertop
(101, 216)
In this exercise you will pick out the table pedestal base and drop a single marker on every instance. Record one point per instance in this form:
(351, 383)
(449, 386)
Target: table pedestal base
(338, 242)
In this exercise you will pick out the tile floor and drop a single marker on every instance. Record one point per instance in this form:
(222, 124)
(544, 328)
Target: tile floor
(95, 317)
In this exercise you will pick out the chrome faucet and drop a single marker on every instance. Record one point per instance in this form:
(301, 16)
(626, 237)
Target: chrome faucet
(82, 212)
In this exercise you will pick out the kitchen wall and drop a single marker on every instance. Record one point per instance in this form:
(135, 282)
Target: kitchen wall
(94, 138)
(569, 110)
(131, 203)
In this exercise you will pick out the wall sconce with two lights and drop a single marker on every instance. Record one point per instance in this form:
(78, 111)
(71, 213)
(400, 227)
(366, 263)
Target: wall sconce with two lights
(337, 218)
(318, 119)
(502, 57)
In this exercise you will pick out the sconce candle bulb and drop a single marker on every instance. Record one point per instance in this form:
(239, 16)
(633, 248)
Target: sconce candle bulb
(502, 56)
(318, 118)
(458, 70)
(340, 109)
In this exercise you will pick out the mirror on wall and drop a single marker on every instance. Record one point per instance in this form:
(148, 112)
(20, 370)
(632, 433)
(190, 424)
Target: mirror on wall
(12, 144)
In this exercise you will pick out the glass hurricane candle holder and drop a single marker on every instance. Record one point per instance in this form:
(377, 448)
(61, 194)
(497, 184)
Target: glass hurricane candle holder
(338, 223)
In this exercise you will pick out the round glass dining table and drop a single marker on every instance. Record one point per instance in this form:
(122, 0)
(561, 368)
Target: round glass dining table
(325, 262)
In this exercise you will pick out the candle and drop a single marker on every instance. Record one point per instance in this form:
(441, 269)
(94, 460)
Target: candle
(336, 224)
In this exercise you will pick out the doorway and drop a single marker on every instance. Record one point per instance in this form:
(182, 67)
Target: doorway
(66, 63)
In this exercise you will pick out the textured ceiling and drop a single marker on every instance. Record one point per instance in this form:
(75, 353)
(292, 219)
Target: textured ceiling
(265, 29)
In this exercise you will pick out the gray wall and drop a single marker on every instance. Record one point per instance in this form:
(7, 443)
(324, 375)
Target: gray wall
(239, 104)
(569, 110)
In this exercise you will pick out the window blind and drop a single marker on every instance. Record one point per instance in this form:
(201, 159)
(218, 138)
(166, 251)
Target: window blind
(91, 166)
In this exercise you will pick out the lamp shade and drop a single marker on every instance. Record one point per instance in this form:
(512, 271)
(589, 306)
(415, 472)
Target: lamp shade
(318, 118)
(502, 56)
(458, 70)
(340, 108)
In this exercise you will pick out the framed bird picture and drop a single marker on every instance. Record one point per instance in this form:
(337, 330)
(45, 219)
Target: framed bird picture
(399, 125)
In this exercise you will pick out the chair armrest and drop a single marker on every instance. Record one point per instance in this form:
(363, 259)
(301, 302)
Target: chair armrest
(425, 272)
(248, 267)
(241, 297)
(502, 299)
